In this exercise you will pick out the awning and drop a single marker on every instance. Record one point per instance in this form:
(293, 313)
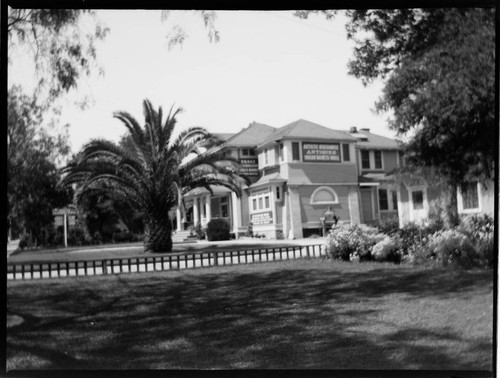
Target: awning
(374, 179)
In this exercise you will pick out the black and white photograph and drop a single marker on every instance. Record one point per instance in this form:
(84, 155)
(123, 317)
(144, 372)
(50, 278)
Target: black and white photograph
(246, 190)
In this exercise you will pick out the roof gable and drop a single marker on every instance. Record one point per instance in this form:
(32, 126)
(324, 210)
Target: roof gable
(303, 129)
(377, 141)
(252, 135)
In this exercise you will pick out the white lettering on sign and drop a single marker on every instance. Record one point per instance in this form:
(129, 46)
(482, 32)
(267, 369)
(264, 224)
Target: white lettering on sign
(325, 152)
(249, 167)
(262, 218)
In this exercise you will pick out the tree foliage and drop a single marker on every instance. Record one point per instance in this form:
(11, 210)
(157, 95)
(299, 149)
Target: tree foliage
(61, 48)
(32, 189)
(154, 171)
(440, 69)
(178, 34)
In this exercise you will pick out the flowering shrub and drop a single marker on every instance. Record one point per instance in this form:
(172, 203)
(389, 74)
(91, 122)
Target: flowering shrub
(452, 247)
(480, 228)
(387, 250)
(352, 243)
(412, 237)
(388, 226)
(477, 226)
(341, 242)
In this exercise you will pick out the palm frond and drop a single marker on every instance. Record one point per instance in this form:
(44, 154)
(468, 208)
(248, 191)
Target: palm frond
(132, 125)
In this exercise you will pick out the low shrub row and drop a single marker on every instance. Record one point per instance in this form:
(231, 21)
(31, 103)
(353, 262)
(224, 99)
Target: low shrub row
(469, 245)
(77, 236)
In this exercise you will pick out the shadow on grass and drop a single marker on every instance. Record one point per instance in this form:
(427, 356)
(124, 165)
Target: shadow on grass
(291, 319)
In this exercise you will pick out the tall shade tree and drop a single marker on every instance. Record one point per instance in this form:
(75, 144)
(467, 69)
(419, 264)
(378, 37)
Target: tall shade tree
(62, 50)
(439, 71)
(32, 154)
(154, 171)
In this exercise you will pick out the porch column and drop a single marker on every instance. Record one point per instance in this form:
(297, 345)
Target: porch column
(236, 213)
(195, 211)
(354, 209)
(208, 208)
(295, 213)
(179, 218)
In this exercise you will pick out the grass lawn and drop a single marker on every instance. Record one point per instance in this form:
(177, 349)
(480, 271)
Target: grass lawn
(117, 251)
(297, 314)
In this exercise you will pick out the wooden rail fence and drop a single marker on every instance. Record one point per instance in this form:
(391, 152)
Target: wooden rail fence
(174, 261)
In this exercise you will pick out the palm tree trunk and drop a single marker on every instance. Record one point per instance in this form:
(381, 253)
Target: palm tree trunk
(157, 233)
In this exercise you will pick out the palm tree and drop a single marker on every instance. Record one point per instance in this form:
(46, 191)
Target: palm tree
(154, 171)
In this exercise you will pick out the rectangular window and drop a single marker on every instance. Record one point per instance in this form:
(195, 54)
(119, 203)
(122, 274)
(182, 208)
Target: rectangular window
(281, 152)
(378, 159)
(295, 151)
(345, 152)
(251, 152)
(470, 197)
(254, 204)
(382, 199)
(245, 152)
(417, 199)
(260, 203)
(394, 200)
(365, 159)
(266, 156)
(278, 193)
(266, 204)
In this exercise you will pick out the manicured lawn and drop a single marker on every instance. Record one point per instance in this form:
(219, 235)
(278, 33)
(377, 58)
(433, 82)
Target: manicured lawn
(298, 314)
(117, 251)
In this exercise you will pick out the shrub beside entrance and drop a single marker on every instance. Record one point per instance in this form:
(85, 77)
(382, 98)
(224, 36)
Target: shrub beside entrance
(218, 229)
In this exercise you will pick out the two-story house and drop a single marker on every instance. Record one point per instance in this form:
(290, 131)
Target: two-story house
(302, 173)
(376, 156)
(306, 170)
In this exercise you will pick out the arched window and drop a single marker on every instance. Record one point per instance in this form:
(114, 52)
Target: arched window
(324, 196)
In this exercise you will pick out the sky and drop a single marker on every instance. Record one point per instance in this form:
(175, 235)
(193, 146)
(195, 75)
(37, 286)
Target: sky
(268, 67)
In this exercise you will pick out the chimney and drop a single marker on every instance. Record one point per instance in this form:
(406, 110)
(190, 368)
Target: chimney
(353, 129)
(366, 129)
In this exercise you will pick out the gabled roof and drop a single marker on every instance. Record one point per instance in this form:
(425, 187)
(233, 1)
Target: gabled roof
(250, 136)
(375, 141)
(302, 129)
(268, 179)
(223, 136)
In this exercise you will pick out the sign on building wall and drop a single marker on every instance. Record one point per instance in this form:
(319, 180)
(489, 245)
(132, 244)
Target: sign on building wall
(262, 218)
(321, 152)
(249, 167)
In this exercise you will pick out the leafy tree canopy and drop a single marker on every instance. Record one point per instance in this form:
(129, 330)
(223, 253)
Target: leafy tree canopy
(62, 49)
(439, 66)
(33, 175)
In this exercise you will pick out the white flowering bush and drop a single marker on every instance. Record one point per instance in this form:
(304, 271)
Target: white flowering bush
(341, 242)
(387, 250)
(450, 248)
(352, 243)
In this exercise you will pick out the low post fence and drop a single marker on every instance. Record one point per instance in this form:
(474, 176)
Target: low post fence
(173, 261)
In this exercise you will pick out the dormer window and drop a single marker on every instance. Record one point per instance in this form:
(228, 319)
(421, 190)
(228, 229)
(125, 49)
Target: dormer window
(378, 159)
(295, 151)
(365, 159)
(247, 152)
